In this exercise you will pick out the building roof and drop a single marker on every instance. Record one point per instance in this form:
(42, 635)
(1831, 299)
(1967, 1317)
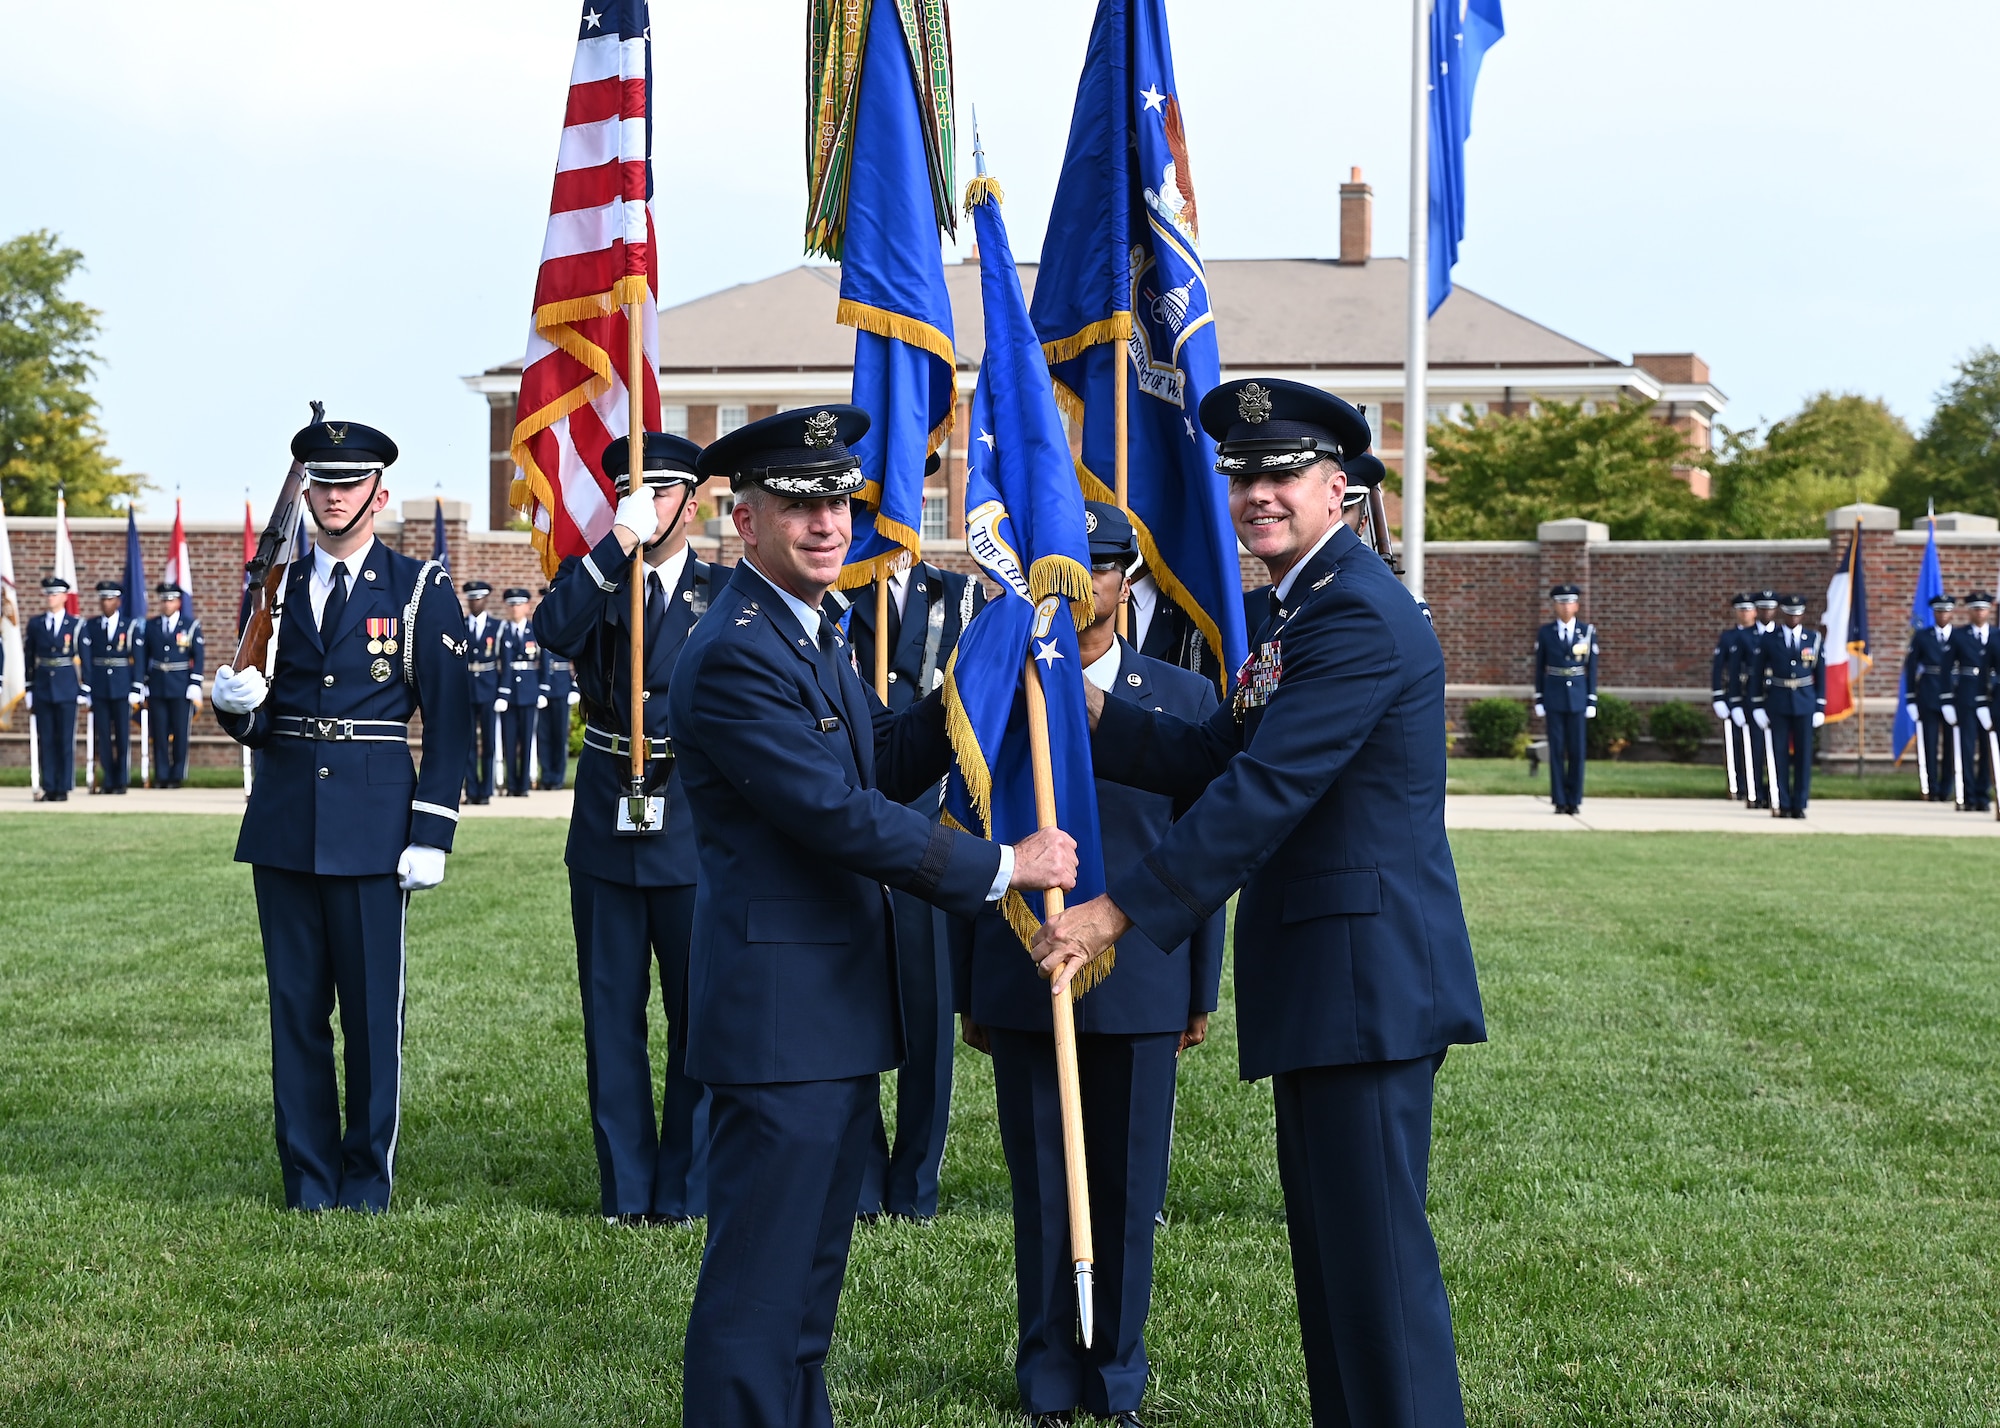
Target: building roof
(1269, 312)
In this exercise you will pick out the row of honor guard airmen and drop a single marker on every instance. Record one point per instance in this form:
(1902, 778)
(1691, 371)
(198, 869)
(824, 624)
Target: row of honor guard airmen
(522, 694)
(1767, 682)
(107, 664)
(1949, 675)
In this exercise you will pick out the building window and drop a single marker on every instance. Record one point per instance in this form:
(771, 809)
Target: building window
(1374, 415)
(934, 516)
(727, 419)
(674, 420)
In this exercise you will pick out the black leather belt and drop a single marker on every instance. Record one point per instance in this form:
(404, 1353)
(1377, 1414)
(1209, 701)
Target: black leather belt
(341, 731)
(620, 745)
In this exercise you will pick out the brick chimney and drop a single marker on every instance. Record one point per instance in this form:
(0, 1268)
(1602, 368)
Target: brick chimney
(1357, 219)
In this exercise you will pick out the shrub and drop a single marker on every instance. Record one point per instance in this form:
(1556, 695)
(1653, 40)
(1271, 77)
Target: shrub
(1611, 733)
(1678, 728)
(1496, 729)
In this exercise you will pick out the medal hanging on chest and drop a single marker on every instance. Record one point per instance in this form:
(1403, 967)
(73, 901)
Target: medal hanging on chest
(1258, 680)
(381, 634)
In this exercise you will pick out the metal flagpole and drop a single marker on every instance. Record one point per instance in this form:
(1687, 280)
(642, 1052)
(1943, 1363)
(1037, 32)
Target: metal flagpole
(1416, 361)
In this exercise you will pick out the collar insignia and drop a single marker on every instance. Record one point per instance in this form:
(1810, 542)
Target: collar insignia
(821, 428)
(1253, 403)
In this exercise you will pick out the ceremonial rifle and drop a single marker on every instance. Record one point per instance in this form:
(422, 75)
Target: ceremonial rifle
(268, 568)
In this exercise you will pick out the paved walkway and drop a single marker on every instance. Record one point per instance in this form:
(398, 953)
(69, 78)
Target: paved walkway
(230, 801)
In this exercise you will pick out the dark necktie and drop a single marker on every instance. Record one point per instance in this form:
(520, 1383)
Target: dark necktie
(336, 602)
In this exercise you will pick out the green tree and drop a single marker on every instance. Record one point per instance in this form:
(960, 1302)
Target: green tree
(48, 421)
(1498, 477)
(1838, 448)
(1956, 462)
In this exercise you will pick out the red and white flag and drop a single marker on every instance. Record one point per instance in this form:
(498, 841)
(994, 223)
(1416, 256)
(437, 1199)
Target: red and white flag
(13, 674)
(597, 255)
(179, 573)
(65, 554)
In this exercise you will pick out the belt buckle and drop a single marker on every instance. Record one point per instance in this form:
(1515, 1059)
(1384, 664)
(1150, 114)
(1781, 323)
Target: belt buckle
(332, 729)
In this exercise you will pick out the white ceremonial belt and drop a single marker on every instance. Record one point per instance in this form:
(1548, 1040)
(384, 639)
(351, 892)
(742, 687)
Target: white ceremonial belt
(1805, 683)
(341, 731)
(620, 745)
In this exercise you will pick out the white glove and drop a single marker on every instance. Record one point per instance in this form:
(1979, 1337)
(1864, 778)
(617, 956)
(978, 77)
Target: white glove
(1590, 711)
(83, 699)
(1540, 713)
(30, 698)
(1985, 718)
(635, 512)
(420, 867)
(1910, 712)
(1818, 719)
(1737, 715)
(575, 698)
(499, 706)
(1951, 715)
(541, 701)
(1721, 709)
(138, 697)
(239, 693)
(194, 695)
(1763, 719)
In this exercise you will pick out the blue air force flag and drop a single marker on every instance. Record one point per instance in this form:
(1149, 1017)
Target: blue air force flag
(1462, 31)
(1930, 585)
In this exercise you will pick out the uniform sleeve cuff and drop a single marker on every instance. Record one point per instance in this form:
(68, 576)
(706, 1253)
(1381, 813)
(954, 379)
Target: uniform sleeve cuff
(1004, 877)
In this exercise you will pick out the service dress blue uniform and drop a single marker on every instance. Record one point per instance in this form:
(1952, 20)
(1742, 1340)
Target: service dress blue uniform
(1128, 1038)
(176, 653)
(482, 664)
(519, 656)
(903, 1180)
(1171, 634)
(52, 650)
(1727, 671)
(1566, 688)
(114, 665)
(1319, 792)
(1788, 683)
(1973, 661)
(552, 726)
(1927, 683)
(798, 780)
(632, 898)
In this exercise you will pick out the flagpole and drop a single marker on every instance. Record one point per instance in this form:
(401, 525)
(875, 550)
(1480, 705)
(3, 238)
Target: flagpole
(1121, 449)
(1069, 1089)
(1416, 399)
(635, 359)
(882, 637)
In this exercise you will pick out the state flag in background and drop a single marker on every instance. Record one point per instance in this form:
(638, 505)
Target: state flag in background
(438, 552)
(179, 571)
(1846, 624)
(65, 561)
(1930, 582)
(13, 672)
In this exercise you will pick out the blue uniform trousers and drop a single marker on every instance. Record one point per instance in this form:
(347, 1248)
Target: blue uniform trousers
(552, 743)
(645, 1166)
(114, 742)
(328, 939)
(1934, 748)
(1354, 1160)
(904, 1181)
(517, 736)
(784, 1170)
(55, 734)
(1760, 767)
(1128, 1099)
(479, 767)
(1792, 741)
(1566, 751)
(1978, 754)
(170, 720)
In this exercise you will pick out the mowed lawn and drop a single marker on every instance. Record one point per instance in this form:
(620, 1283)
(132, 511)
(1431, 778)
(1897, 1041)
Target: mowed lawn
(1733, 1156)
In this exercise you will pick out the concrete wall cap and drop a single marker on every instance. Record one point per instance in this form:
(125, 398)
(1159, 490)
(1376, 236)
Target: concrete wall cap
(1965, 523)
(425, 509)
(1573, 528)
(1872, 518)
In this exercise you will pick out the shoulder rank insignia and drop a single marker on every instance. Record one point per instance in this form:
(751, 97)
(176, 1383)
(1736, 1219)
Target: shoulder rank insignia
(457, 647)
(1324, 580)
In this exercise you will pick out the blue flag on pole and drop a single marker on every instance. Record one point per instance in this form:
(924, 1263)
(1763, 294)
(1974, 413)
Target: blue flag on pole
(892, 292)
(1121, 279)
(1462, 31)
(437, 535)
(135, 572)
(1930, 583)
(1024, 525)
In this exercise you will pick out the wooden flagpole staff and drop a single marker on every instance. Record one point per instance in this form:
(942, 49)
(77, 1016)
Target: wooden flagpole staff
(882, 638)
(636, 803)
(1069, 1088)
(1121, 480)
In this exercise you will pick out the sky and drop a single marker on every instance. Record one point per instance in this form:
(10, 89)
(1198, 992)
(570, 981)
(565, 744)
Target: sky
(345, 201)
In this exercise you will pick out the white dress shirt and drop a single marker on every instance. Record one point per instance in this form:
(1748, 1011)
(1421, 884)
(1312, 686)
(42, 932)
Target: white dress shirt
(321, 584)
(1145, 600)
(1103, 671)
(668, 572)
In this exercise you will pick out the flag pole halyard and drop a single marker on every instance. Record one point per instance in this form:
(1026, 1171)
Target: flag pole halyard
(1068, 1086)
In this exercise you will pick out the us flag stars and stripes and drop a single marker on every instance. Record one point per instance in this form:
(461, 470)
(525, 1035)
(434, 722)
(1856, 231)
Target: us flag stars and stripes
(598, 255)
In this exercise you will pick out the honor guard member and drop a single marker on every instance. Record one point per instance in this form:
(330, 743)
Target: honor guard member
(1319, 791)
(552, 724)
(1764, 620)
(341, 826)
(1726, 670)
(929, 609)
(1566, 694)
(632, 893)
(114, 654)
(1973, 650)
(175, 653)
(1927, 688)
(798, 780)
(1788, 701)
(520, 698)
(1130, 1031)
(54, 688)
(482, 663)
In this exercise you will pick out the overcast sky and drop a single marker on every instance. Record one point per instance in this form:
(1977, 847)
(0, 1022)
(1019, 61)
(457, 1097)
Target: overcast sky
(346, 200)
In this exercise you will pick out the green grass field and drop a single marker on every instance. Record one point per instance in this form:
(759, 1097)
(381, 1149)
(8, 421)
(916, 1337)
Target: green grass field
(1607, 779)
(1732, 1156)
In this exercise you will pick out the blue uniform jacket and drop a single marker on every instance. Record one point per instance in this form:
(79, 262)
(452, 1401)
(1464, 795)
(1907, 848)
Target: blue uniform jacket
(1789, 681)
(173, 662)
(1566, 671)
(556, 675)
(348, 808)
(796, 776)
(1927, 668)
(114, 663)
(586, 619)
(1973, 664)
(52, 674)
(1147, 991)
(956, 597)
(1730, 664)
(1326, 806)
(482, 658)
(520, 658)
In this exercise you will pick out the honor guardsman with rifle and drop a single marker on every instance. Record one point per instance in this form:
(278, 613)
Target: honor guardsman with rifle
(798, 780)
(1787, 683)
(632, 885)
(55, 686)
(341, 826)
(175, 653)
(1973, 648)
(114, 656)
(1728, 669)
(1319, 791)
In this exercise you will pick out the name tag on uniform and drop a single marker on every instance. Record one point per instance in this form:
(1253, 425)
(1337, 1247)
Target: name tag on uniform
(1258, 680)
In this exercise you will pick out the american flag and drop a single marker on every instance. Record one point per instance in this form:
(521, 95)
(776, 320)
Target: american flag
(598, 254)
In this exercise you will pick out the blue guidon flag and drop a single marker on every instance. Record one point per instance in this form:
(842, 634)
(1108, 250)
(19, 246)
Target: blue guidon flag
(1121, 278)
(1024, 525)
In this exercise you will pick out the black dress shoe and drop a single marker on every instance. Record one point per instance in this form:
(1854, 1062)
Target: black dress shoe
(1050, 1420)
(674, 1222)
(1128, 1419)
